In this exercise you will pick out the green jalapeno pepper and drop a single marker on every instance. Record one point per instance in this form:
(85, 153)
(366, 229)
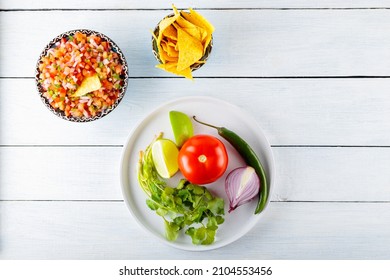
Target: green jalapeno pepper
(250, 159)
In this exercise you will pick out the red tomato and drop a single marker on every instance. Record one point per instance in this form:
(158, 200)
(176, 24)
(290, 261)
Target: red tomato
(203, 159)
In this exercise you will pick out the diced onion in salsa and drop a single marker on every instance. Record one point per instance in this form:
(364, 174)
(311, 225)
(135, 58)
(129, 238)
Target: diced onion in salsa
(69, 62)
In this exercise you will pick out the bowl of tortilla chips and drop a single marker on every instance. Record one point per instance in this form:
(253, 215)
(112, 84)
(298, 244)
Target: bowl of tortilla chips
(182, 42)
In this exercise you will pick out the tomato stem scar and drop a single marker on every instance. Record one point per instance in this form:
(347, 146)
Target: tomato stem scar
(202, 158)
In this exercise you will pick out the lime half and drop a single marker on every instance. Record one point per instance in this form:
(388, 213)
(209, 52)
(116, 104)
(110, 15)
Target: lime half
(181, 126)
(165, 157)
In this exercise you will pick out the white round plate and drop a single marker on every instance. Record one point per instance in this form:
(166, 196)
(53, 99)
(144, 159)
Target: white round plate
(213, 111)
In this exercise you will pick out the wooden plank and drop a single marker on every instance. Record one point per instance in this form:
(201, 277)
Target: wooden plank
(332, 174)
(60, 173)
(92, 173)
(106, 230)
(290, 111)
(291, 43)
(159, 4)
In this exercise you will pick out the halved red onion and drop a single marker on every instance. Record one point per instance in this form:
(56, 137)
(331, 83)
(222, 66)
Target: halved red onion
(241, 185)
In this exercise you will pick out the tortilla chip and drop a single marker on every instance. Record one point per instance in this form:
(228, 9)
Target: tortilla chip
(164, 24)
(88, 85)
(175, 11)
(171, 67)
(190, 28)
(184, 23)
(170, 32)
(164, 45)
(167, 58)
(172, 43)
(168, 50)
(198, 20)
(167, 66)
(171, 51)
(190, 50)
(198, 33)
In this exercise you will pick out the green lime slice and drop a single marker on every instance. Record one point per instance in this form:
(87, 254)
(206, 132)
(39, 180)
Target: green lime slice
(181, 126)
(165, 157)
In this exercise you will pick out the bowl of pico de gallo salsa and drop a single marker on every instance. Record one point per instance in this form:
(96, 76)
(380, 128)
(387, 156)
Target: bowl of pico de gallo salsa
(81, 75)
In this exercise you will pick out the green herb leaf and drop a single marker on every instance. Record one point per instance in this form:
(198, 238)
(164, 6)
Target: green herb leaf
(216, 206)
(161, 212)
(188, 206)
(151, 204)
(212, 223)
(210, 237)
(171, 230)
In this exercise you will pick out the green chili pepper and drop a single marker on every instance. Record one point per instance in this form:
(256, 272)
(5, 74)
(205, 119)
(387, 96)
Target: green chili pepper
(249, 157)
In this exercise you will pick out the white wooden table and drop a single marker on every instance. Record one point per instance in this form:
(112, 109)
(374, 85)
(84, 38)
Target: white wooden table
(314, 74)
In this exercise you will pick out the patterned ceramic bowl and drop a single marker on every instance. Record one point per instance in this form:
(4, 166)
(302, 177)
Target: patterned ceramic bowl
(194, 66)
(66, 61)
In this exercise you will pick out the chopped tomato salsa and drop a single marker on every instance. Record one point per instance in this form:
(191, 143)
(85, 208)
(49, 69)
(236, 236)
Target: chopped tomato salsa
(69, 62)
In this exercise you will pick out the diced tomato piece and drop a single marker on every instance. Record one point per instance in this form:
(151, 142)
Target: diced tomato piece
(118, 69)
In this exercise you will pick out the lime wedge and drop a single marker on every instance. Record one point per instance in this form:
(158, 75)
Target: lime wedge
(165, 157)
(181, 126)
(88, 85)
